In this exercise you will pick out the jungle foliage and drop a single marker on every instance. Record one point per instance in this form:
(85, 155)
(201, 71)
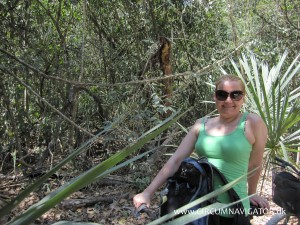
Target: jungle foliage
(114, 69)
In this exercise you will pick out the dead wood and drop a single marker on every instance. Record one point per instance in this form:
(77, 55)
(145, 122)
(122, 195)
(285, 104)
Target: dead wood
(86, 202)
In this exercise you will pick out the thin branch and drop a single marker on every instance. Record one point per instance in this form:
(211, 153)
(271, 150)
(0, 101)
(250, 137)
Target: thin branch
(48, 104)
(55, 21)
(287, 17)
(268, 22)
(87, 84)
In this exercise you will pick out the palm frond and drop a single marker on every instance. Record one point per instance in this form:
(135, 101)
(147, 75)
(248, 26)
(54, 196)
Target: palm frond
(269, 93)
(95, 173)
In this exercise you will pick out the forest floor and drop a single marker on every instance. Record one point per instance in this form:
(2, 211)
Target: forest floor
(107, 202)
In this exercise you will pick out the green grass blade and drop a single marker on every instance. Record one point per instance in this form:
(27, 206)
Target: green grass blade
(295, 136)
(256, 77)
(12, 204)
(51, 200)
(202, 199)
(284, 151)
(295, 94)
(266, 98)
(189, 217)
(75, 223)
(202, 213)
(287, 77)
(253, 89)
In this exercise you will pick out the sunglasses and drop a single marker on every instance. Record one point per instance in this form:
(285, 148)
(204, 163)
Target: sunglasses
(234, 95)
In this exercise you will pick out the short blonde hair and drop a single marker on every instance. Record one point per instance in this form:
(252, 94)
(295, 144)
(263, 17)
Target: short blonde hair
(229, 78)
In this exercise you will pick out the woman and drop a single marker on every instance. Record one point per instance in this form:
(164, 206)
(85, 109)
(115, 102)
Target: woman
(234, 142)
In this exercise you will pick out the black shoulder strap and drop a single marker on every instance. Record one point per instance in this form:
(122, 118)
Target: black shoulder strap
(208, 167)
(196, 164)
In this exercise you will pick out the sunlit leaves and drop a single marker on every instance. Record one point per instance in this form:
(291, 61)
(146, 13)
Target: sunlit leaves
(272, 95)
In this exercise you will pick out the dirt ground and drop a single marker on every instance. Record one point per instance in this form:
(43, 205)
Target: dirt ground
(107, 202)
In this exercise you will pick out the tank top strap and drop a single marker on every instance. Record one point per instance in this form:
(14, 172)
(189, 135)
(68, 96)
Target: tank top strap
(203, 122)
(242, 122)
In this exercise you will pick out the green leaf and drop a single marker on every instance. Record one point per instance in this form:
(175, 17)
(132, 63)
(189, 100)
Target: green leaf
(270, 94)
(74, 223)
(12, 204)
(202, 199)
(93, 174)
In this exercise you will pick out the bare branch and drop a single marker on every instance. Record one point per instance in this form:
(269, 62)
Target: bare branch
(88, 84)
(48, 104)
(287, 17)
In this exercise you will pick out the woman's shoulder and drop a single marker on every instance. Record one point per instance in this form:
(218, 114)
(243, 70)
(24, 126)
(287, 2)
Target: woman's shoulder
(197, 125)
(253, 117)
(198, 122)
(255, 120)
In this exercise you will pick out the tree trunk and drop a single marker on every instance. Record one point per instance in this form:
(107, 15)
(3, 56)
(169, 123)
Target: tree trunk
(165, 64)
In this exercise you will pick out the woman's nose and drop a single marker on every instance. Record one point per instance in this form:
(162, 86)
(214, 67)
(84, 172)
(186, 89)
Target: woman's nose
(228, 99)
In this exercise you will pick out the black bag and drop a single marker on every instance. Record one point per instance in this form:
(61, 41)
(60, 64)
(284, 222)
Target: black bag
(286, 192)
(194, 179)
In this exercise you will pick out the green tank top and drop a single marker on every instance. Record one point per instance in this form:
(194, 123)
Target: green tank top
(230, 153)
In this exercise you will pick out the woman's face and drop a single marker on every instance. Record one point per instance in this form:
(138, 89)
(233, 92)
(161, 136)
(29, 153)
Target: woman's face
(229, 107)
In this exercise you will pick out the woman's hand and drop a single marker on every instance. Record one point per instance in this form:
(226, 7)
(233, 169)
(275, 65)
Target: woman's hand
(142, 198)
(260, 201)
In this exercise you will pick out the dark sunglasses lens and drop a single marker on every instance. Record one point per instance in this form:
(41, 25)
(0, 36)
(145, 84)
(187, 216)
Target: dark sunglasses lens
(221, 95)
(236, 95)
